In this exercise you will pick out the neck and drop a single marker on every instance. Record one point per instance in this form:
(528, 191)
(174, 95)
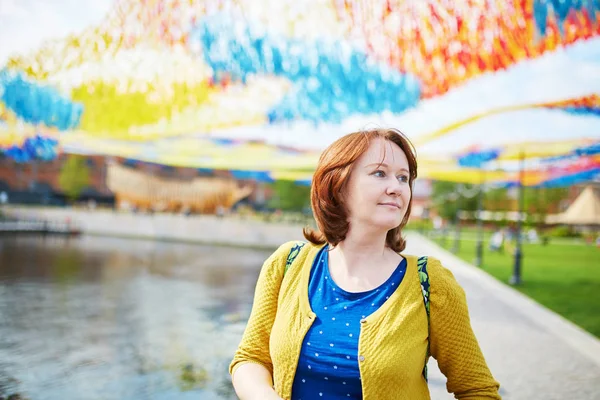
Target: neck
(360, 249)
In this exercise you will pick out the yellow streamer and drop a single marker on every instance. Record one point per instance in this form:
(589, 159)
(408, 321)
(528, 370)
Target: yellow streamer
(421, 140)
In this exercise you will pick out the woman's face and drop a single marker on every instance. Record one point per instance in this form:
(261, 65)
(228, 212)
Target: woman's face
(378, 192)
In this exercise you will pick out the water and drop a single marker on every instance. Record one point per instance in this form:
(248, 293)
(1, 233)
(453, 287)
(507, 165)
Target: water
(108, 318)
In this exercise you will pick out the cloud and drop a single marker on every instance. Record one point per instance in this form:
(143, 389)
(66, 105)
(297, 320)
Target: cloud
(10, 9)
(26, 26)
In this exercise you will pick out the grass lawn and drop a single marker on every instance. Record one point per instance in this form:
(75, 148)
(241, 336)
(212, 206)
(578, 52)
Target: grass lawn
(563, 275)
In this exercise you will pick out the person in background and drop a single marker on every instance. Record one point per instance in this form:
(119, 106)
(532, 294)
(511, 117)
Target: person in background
(497, 241)
(347, 319)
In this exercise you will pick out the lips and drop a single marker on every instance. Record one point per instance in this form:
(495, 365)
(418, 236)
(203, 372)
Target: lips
(390, 204)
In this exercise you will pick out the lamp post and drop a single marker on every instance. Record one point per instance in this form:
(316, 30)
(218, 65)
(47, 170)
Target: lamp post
(456, 245)
(479, 249)
(516, 277)
(479, 159)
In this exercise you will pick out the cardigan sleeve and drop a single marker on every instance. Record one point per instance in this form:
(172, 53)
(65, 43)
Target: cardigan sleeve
(254, 346)
(452, 341)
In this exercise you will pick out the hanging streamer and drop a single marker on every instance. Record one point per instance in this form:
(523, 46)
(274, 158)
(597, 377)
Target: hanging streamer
(588, 150)
(447, 43)
(477, 159)
(38, 104)
(560, 9)
(572, 179)
(332, 80)
(33, 148)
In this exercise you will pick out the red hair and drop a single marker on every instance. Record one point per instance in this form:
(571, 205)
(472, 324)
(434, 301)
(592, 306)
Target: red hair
(330, 179)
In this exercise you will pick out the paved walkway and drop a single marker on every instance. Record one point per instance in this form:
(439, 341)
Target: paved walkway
(533, 352)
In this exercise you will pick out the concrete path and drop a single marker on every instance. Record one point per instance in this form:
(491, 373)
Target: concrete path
(533, 352)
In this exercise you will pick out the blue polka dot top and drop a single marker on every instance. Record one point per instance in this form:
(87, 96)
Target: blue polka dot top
(328, 363)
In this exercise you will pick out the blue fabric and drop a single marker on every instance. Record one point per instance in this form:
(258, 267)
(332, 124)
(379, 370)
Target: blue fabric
(328, 363)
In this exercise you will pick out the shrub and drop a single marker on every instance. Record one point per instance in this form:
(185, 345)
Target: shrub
(563, 232)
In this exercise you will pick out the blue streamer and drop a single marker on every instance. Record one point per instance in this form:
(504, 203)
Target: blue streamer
(36, 104)
(561, 9)
(34, 148)
(476, 159)
(560, 181)
(540, 15)
(331, 79)
(582, 110)
(588, 150)
(572, 179)
(259, 176)
(554, 159)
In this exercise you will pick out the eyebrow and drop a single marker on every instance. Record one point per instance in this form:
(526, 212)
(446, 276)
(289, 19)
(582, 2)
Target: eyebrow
(386, 166)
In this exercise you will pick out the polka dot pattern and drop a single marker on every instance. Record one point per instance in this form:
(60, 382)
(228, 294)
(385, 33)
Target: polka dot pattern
(328, 363)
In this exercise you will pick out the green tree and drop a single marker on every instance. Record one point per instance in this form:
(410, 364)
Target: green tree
(74, 176)
(289, 196)
(539, 202)
(449, 197)
(497, 199)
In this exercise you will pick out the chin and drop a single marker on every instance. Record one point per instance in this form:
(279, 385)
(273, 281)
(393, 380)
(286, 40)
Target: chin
(389, 224)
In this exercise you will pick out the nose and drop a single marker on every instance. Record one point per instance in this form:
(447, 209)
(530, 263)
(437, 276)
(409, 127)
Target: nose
(394, 188)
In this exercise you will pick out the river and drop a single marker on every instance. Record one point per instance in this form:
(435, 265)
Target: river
(107, 318)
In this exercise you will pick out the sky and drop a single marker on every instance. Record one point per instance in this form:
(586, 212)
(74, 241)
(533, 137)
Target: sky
(26, 24)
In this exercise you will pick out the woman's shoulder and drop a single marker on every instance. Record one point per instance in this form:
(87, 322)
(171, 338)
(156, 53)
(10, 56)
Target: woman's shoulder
(289, 248)
(441, 279)
(289, 245)
(286, 247)
(283, 250)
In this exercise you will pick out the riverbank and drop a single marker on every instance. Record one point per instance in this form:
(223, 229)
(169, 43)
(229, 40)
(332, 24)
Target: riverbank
(37, 227)
(205, 229)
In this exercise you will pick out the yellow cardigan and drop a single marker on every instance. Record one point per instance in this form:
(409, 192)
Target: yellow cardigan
(393, 340)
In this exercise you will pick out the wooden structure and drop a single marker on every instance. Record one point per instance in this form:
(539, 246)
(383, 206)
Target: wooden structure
(143, 191)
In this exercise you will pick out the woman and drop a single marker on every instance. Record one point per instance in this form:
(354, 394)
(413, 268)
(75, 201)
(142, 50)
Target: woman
(347, 319)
